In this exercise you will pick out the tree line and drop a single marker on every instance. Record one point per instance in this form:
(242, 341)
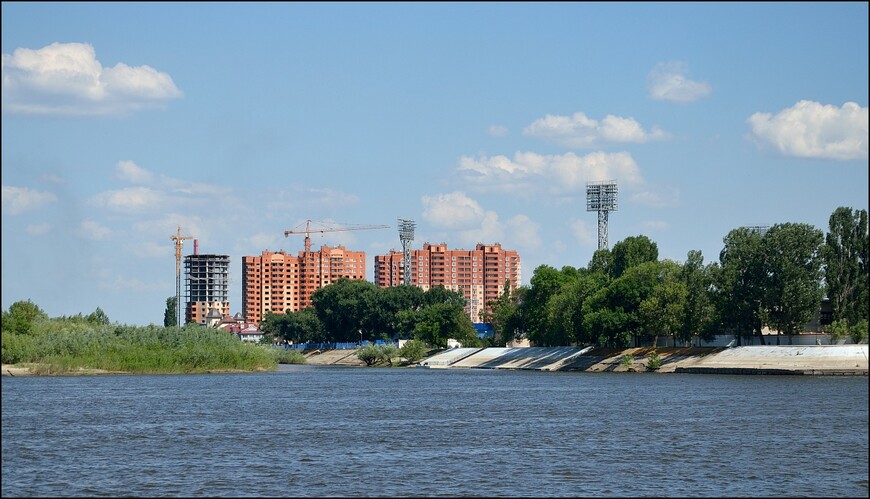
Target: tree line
(774, 278)
(354, 311)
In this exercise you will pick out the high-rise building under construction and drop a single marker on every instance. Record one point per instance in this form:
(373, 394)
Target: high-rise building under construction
(206, 279)
(277, 281)
(480, 274)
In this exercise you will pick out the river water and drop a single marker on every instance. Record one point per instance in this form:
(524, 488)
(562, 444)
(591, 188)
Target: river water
(346, 431)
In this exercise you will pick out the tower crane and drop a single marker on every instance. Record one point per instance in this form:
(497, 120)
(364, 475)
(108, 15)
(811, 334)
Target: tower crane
(308, 230)
(179, 241)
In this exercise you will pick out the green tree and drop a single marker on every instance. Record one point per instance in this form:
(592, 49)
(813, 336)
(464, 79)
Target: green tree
(413, 350)
(344, 308)
(565, 309)
(630, 252)
(612, 312)
(792, 291)
(440, 321)
(98, 317)
(170, 315)
(837, 330)
(860, 331)
(388, 303)
(602, 261)
(740, 279)
(506, 314)
(845, 264)
(663, 310)
(545, 283)
(302, 326)
(21, 317)
(700, 311)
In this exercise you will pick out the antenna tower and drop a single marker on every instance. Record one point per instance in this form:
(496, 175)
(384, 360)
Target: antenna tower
(406, 235)
(601, 197)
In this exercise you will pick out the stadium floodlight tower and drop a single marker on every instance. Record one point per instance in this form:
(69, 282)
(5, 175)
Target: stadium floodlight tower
(406, 235)
(601, 197)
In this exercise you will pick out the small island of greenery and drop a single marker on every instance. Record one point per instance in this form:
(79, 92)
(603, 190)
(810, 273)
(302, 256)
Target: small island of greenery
(82, 344)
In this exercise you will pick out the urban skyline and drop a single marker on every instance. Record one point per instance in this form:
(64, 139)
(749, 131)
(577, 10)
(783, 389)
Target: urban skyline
(481, 122)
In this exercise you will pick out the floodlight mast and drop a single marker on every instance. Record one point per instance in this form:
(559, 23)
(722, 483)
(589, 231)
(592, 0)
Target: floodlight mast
(601, 197)
(406, 235)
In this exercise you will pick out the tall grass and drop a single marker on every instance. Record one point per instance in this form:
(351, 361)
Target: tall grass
(69, 345)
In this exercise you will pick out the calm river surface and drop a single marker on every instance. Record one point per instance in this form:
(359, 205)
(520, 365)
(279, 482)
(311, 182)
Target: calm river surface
(345, 431)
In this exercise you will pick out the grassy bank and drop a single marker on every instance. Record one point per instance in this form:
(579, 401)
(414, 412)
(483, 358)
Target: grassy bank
(54, 349)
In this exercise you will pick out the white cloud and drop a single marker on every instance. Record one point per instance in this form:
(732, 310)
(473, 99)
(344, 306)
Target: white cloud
(489, 231)
(130, 200)
(128, 171)
(528, 172)
(474, 224)
(580, 131)
(38, 229)
(812, 130)
(658, 198)
(452, 211)
(17, 200)
(90, 229)
(498, 131)
(67, 79)
(524, 233)
(669, 81)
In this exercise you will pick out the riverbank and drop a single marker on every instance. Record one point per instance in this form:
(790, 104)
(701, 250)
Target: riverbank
(785, 359)
(843, 360)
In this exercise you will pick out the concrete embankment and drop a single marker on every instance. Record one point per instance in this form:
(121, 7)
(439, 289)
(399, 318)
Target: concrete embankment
(786, 359)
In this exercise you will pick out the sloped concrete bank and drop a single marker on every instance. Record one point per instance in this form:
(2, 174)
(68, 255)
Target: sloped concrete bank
(833, 360)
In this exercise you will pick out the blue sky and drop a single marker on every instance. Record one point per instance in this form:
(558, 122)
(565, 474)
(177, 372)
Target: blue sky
(482, 122)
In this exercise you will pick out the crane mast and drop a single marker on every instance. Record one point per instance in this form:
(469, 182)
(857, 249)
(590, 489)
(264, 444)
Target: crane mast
(179, 241)
(308, 230)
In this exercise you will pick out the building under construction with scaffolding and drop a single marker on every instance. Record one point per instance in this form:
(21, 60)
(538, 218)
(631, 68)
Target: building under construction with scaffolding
(206, 285)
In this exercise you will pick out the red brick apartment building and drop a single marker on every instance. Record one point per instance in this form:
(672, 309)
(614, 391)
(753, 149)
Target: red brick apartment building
(277, 282)
(480, 274)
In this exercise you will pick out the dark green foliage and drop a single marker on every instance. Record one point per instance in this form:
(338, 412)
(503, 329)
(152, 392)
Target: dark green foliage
(700, 312)
(793, 272)
(345, 309)
(630, 252)
(21, 317)
(170, 315)
(845, 258)
(294, 327)
(740, 282)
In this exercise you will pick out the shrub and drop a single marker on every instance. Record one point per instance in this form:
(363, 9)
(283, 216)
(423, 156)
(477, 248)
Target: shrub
(627, 360)
(413, 350)
(654, 361)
